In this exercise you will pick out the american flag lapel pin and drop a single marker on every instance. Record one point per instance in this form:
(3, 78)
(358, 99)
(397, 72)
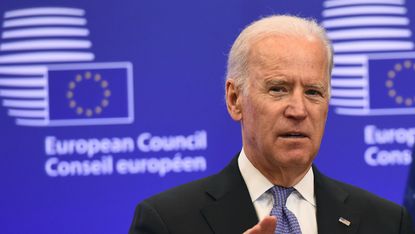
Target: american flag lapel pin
(345, 221)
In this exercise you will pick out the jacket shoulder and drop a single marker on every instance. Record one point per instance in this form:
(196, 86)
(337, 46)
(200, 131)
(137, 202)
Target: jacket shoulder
(191, 192)
(377, 215)
(364, 197)
(173, 210)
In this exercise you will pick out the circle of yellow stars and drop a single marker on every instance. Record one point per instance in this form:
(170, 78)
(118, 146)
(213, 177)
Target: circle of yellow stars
(390, 83)
(71, 93)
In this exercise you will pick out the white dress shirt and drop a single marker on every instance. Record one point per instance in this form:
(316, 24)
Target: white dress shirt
(301, 201)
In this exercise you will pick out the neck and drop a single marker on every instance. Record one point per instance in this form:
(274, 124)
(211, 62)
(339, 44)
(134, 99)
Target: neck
(285, 176)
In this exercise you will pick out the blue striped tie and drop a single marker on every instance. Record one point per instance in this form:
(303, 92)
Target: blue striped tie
(287, 223)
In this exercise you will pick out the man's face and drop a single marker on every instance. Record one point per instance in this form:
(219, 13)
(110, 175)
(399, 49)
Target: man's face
(284, 108)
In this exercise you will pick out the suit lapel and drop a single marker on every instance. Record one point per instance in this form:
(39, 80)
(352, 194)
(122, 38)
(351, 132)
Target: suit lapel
(331, 206)
(231, 210)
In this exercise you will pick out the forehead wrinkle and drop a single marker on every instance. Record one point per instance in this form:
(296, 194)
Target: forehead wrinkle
(262, 50)
(263, 66)
(265, 61)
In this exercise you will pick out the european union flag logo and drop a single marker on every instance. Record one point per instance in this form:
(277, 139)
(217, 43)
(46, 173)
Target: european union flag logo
(392, 83)
(94, 93)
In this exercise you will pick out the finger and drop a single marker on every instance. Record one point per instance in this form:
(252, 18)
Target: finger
(265, 226)
(268, 224)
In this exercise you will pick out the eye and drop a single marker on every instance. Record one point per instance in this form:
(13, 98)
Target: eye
(278, 89)
(314, 92)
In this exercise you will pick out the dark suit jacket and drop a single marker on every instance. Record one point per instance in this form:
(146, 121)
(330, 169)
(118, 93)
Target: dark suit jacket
(221, 204)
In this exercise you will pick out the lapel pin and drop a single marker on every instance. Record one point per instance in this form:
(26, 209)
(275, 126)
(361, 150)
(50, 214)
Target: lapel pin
(344, 221)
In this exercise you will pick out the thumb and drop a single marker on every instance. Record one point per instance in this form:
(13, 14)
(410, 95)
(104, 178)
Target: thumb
(265, 226)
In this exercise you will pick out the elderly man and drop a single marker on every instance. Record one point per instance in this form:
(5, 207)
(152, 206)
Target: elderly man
(278, 88)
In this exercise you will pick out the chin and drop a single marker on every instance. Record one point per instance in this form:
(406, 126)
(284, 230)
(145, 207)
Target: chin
(298, 160)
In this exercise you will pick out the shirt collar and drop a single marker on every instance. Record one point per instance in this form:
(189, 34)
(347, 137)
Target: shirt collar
(258, 184)
(305, 187)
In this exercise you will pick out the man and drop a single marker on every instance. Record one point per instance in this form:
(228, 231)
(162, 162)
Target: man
(277, 87)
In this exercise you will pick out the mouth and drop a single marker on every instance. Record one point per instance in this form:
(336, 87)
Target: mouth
(294, 135)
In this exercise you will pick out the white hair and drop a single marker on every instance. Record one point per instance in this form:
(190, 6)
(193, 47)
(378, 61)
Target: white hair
(286, 25)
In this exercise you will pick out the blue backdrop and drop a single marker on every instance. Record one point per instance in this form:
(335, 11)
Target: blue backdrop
(104, 103)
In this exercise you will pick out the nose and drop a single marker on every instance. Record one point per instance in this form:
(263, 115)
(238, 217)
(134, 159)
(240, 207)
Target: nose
(296, 107)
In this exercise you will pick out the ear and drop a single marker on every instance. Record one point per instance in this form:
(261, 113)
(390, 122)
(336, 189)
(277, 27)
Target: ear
(233, 100)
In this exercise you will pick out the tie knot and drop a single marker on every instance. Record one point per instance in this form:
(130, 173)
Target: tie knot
(281, 194)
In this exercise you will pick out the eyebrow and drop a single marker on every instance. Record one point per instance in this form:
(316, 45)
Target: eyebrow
(276, 82)
(316, 86)
(280, 81)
